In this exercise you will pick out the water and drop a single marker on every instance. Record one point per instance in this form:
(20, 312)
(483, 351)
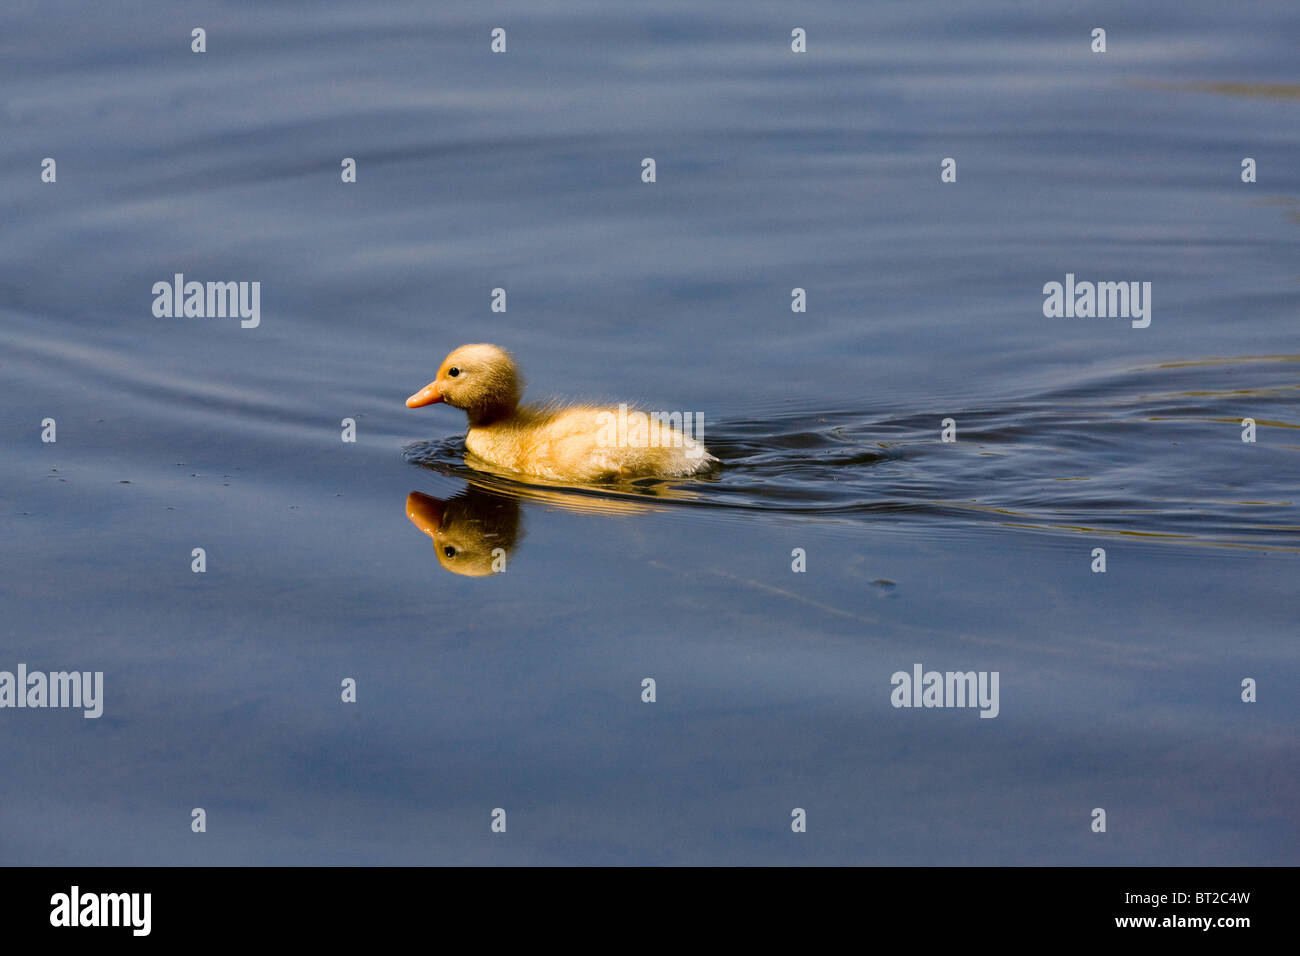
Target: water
(523, 690)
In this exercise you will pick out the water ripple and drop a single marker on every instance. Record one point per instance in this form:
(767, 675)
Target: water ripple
(1153, 451)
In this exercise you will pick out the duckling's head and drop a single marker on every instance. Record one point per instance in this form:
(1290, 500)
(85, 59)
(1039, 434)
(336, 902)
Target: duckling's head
(483, 380)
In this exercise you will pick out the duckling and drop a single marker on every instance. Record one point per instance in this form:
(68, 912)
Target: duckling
(576, 443)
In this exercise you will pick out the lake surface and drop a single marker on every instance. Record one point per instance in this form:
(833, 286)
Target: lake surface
(774, 171)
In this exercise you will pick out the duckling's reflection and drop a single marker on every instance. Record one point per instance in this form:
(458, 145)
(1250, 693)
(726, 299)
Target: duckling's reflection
(473, 532)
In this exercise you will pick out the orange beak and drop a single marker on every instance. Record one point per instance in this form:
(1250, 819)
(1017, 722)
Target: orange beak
(425, 512)
(425, 396)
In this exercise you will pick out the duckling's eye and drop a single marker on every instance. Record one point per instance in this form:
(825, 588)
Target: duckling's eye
(449, 551)
(453, 372)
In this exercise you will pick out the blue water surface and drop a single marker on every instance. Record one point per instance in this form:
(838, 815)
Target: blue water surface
(774, 171)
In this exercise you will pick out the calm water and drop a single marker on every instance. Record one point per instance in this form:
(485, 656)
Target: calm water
(775, 170)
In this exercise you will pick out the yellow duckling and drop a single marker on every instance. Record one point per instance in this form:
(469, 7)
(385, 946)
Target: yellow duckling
(562, 443)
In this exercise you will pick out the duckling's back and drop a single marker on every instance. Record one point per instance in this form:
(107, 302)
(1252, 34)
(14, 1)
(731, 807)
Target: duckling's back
(587, 444)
